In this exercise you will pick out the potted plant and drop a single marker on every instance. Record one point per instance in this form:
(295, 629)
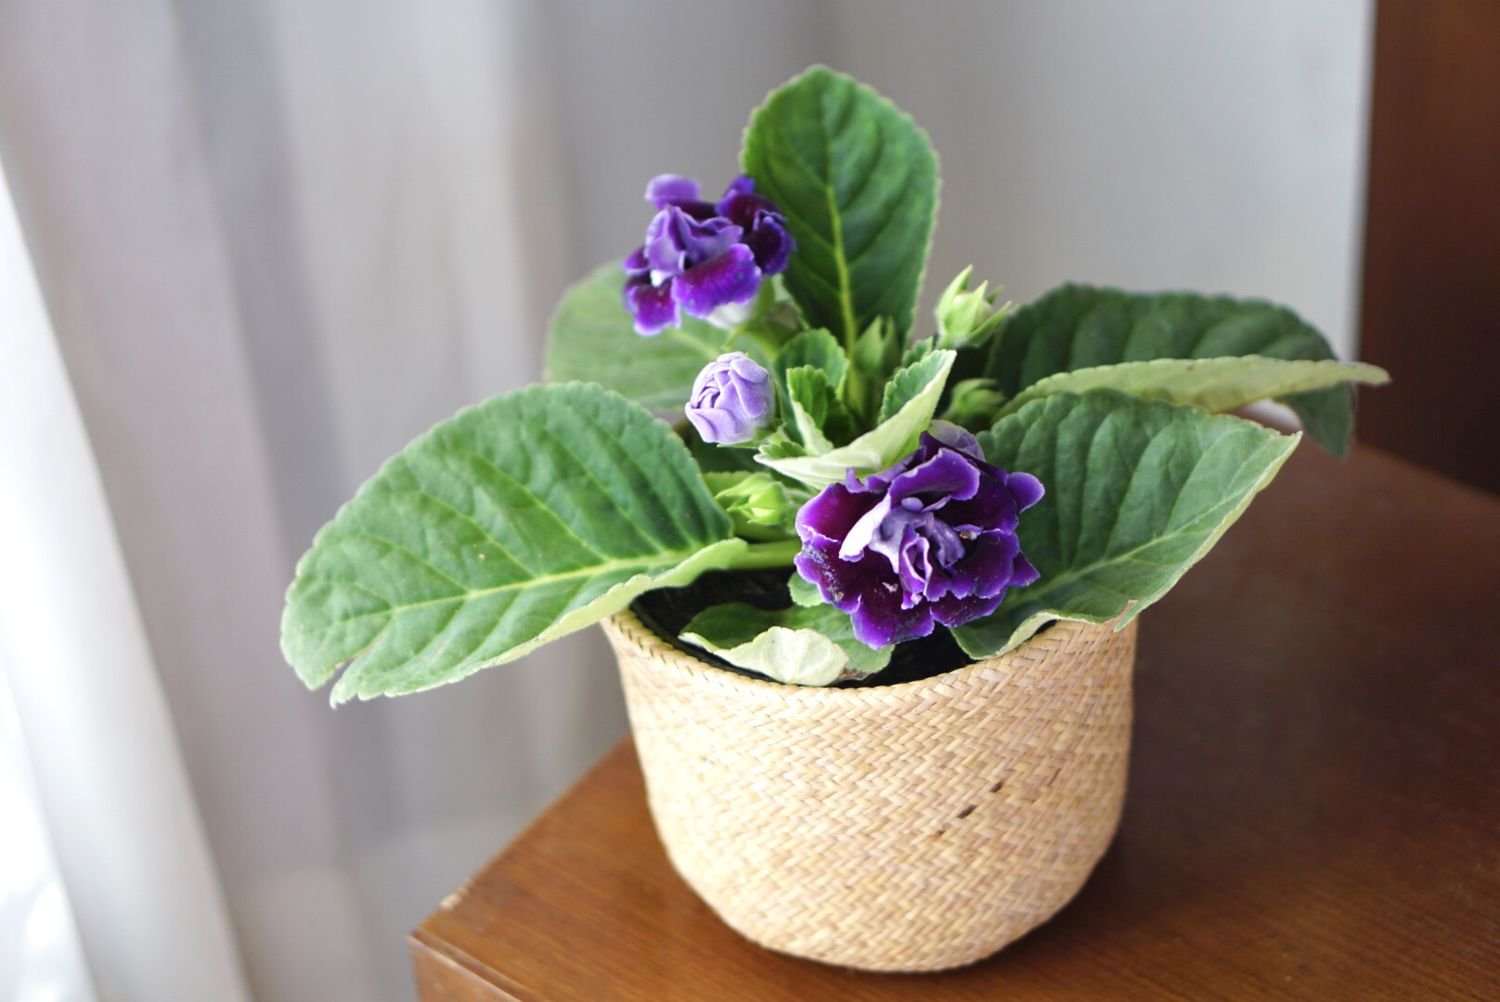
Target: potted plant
(874, 600)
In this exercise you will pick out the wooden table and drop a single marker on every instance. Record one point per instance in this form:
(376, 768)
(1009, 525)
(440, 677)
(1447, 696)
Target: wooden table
(1314, 806)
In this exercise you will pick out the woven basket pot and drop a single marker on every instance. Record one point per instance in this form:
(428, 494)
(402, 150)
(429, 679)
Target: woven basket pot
(911, 827)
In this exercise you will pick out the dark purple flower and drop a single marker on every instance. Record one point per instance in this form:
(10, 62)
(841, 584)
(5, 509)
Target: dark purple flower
(702, 256)
(933, 538)
(731, 398)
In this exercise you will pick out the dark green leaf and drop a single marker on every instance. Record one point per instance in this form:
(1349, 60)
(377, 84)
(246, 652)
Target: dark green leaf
(858, 183)
(1137, 492)
(499, 530)
(591, 340)
(1079, 326)
(818, 414)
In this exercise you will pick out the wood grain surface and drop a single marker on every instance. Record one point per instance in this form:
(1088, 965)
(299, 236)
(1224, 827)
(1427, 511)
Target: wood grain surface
(1430, 309)
(1314, 808)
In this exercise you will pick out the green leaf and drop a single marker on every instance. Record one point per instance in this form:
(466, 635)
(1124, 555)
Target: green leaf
(591, 340)
(499, 530)
(875, 449)
(876, 355)
(914, 380)
(858, 183)
(1215, 384)
(819, 415)
(801, 645)
(1137, 492)
(816, 348)
(1080, 327)
(803, 591)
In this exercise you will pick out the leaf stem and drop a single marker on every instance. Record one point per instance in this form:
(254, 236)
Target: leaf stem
(758, 555)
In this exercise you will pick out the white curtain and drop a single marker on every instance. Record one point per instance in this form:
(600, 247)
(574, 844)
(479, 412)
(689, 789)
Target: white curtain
(277, 239)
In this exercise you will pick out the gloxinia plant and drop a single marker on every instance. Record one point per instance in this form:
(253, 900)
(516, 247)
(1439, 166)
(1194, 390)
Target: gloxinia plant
(1067, 459)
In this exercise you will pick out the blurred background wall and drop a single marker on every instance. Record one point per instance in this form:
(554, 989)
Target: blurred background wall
(277, 239)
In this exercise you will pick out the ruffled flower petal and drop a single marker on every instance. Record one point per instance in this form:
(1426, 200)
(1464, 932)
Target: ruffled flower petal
(712, 256)
(653, 307)
(930, 540)
(731, 399)
(732, 277)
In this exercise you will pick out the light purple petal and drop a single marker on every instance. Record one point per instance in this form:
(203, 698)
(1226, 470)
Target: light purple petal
(666, 189)
(731, 398)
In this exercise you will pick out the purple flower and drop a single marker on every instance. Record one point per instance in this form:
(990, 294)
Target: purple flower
(731, 398)
(701, 256)
(933, 538)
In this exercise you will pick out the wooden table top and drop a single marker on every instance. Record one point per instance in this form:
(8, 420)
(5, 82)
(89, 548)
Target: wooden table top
(1314, 806)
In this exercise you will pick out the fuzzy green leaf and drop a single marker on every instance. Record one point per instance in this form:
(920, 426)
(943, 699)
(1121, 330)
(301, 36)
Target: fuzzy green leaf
(816, 348)
(1137, 492)
(1215, 384)
(591, 340)
(803, 591)
(911, 382)
(499, 530)
(818, 414)
(875, 449)
(1080, 327)
(858, 183)
(803, 645)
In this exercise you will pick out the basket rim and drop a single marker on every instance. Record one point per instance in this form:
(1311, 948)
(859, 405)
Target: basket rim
(627, 624)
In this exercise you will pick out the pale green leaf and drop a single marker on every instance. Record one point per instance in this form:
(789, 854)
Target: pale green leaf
(591, 340)
(875, 449)
(858, 183)
(803, 591)
(499, 530)
(1215, 384)
(1081, 327)
(802, 645)
(1137, 492)
(911, 382)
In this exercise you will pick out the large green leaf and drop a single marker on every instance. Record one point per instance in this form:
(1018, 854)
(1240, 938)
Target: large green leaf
(505, 527)
(858, 183)
(591, 339)
(1215, 384)
(1080, 326)
(912, 401)
(1137, 492)
(802, 645)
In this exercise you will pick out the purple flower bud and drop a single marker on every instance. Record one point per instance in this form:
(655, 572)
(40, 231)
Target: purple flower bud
(731, 398)
(700, 256)
(932, 539)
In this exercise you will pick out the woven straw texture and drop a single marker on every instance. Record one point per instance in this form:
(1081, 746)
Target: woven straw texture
(911, 827)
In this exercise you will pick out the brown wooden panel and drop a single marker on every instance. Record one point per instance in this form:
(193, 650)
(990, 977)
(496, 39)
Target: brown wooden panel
(1313, 807)
(1431, 305)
